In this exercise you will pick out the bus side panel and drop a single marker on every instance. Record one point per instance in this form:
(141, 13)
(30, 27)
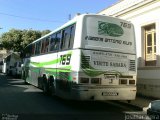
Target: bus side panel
(37, 66)
(67, 72)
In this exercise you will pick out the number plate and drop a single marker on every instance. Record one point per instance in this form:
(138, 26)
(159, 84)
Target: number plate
(109, 76)
(110, 93)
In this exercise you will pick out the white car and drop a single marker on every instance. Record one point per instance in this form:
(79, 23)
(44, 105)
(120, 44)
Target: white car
(153, 110)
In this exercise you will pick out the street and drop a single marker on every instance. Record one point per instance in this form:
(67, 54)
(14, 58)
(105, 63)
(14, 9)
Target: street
(24, 102)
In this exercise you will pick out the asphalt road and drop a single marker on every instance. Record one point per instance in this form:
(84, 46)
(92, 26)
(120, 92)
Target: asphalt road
(26, 102)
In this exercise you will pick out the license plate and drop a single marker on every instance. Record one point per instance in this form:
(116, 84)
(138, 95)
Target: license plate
(110, 93)
(109, 76)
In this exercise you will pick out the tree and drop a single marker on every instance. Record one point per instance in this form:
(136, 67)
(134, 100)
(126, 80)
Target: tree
(12, 40)
(17, 40)
(44, 32)
(29, 36)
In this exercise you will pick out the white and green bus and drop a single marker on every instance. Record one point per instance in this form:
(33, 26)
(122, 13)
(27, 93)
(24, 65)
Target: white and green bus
(91, 57)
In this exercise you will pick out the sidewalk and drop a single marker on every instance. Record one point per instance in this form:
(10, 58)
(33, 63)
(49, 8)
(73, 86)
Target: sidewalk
(140, 102)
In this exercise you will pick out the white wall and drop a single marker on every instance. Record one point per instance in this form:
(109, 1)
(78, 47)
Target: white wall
(148, 79)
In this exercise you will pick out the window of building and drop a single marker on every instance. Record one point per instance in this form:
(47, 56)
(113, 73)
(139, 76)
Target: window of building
(150, 45)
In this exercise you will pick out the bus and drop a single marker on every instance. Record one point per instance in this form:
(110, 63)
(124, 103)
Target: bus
(91, 57)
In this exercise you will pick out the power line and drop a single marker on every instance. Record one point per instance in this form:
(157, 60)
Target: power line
(29, 18)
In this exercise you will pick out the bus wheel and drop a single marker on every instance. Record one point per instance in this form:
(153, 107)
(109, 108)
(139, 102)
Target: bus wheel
(51, 85)
(45, 86)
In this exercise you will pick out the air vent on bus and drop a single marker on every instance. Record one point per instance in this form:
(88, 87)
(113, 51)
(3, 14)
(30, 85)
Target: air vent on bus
(132, 65)
(85, 62)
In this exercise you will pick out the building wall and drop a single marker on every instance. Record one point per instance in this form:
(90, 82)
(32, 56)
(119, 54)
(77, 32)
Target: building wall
(142, 13)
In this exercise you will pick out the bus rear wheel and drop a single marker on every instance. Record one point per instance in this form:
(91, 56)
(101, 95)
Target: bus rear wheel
(45, 86)
(51, 85)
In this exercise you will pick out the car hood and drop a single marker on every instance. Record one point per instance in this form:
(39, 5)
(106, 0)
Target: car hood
(155, 105)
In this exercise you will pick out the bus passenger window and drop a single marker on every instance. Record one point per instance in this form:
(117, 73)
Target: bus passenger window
(43, 46)
(58, 38)
(65, 38)
(33, 49)
(47, 45)
(38, 46)
(53, 42)
(72, 34)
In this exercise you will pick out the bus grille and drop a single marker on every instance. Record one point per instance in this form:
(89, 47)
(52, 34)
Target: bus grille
(85, 62)
(132, 65)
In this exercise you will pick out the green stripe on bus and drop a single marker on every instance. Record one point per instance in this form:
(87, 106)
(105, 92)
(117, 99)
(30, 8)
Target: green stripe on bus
(64, 69)
(41, 64)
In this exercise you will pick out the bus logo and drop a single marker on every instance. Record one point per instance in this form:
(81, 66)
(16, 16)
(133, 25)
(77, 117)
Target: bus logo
(109, 29)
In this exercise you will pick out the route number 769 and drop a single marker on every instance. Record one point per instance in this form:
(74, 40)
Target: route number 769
(125, 25)
(65, 59)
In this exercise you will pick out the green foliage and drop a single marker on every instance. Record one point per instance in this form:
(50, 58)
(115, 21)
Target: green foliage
(17, 40)
(44, 32)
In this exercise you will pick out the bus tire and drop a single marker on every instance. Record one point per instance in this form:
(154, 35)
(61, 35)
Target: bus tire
(51, 85)
(45, 85)
(25, 82)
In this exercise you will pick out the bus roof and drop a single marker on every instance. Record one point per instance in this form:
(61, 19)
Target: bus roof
(72, 21)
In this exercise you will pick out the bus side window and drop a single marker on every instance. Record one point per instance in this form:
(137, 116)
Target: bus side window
(43, 46)
(65, 38)
(53, 42)
(47, 45)
(72, 34)
(58, 38)
(38, 46)
(33, 49)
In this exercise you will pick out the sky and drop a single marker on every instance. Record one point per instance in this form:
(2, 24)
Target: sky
(45, 14)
